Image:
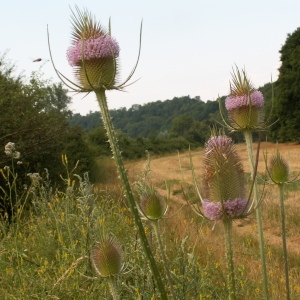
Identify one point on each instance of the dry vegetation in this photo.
(207, 237)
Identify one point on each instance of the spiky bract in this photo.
(153, 205)
(93, 53)
(107, 257)
(223, 181)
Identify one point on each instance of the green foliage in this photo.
(45, 252)
(143, 120)
(33, 114)
(287, 106)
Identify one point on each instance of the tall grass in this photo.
(45, 248)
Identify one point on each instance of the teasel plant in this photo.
(153, 208)
(223, 196)
(94, 55)
(279, 172)
(107, 258)
(245, 109)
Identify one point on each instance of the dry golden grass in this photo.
(246, 251)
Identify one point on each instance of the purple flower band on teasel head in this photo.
(212, 210)
(236, 207)
(218, 142)
(257, 99)
(232, 208)
(102, 46)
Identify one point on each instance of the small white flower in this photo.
(9, 148)
(16, 155)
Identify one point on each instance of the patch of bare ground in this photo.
(176, 169)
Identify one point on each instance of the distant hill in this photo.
(156, 117)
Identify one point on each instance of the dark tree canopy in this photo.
(287, 106)
(33, 116)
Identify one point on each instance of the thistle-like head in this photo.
(94, 56)
(93, 53)
(152, 205)
(223, 180)
(244, 103)
(278, 169)
(107, 257)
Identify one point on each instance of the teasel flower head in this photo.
(107, 257)
(94, 55)
(278, 169)
(152, 205)
(244, 104)
(223, 181)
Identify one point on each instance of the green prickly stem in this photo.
(101, 98)
(285, 255)
(229, 256)
(248, 139)
(156, 230)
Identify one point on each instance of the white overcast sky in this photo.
(188, 47)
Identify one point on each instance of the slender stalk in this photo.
(248, 139)
(126, 185)
(229, 256)
(112, 287)
(285, 255)
(170, 281)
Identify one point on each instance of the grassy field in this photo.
(44, 253)
(176, 169)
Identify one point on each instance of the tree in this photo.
(33, 116)
(182, 124)
(287, 106)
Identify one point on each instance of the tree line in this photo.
(34, 115)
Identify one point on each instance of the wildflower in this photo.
(244, 103)
(224, 182)
(95, 47)
(98, 73)
(236, 208)
(93, 53)
(245, 112)
(10, 150)
(107, 257)
(278, 170)
(16, 155)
